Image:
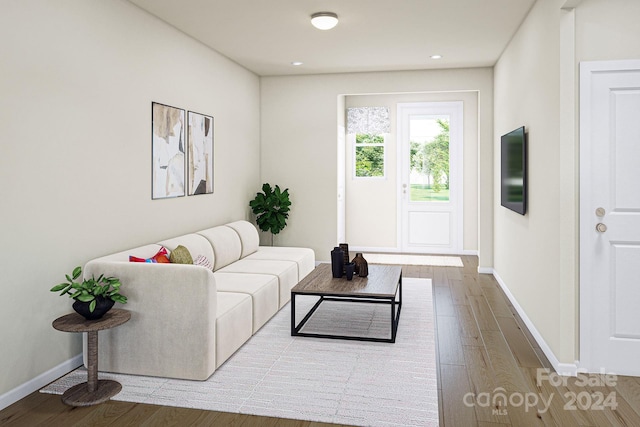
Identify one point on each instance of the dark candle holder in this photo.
(345, 251)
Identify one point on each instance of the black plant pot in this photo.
(102, 306)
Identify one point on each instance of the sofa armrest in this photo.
(172, 331)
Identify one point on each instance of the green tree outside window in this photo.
(369, 155)
(431, 159)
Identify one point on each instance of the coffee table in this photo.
(383, 285)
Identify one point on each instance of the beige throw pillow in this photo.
(181, 255)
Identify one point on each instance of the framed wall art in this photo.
(200, 154)
(168, 151)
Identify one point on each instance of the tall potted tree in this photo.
(271, 208)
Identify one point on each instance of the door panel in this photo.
(625, 298)
(429, 228)
(610, 217)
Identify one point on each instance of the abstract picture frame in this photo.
(200, 153)
(168, 138)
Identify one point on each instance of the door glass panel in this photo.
(429, 158)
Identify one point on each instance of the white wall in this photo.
(298, 136)
(372, 203)
(607, 30)
(527, 248)
(77, 80)
(536, 256)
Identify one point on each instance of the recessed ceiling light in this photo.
(324, 20)
(296, 63)
(436, 56)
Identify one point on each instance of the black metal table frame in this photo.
(395, 314)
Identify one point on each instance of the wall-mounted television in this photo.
(513, 176)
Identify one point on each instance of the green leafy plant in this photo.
(89, 289)
(271, 208)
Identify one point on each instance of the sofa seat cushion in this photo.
(285, 271)
(233, 324)
(262, 288)
(304, 257)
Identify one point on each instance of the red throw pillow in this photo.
(160, 257)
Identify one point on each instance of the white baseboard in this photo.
(40, 381)
(397, 250)
(567, 369)
(485, 270)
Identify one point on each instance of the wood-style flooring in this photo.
(484, 350)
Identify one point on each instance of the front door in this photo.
(430, 197)
(610, 217)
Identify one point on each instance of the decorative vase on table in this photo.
(103, 305)
(337, 262)
(362, 266)
(345, 254)
(349, 269)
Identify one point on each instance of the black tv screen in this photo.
(513, 177)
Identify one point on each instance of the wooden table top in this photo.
(382, 281)
(73, 322)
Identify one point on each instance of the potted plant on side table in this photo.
(93, 297)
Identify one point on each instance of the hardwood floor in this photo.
(484, 350)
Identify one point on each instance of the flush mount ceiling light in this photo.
(436, 56)
(324, 20)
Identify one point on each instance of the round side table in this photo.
(93, 391)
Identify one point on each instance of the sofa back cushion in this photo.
(226, 244)
(195, 243)
(249, 236)
(146, 251)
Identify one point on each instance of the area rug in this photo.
(429, 260)
(334, 381)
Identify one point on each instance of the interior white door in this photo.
(610, 217)
(430, 176)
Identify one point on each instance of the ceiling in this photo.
(266, 36)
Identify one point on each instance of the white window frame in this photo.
(384, 156)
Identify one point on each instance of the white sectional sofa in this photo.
(187, 320)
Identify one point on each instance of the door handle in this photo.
(601, 228)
